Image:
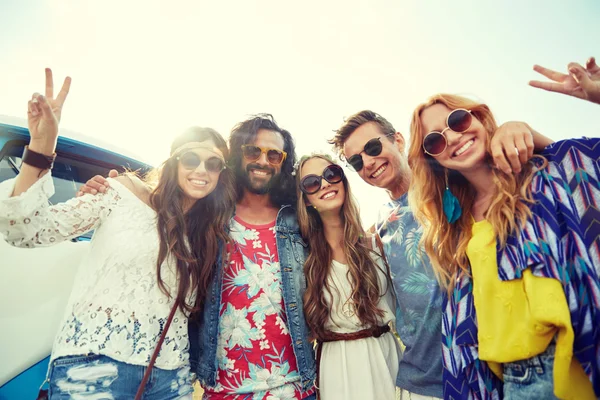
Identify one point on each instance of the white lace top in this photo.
(116, 307)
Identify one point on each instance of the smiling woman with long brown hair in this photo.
(348, 303)
(150, 261)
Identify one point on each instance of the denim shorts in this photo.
(100, 377)
(531, 378)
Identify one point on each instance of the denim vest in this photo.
(204, 331)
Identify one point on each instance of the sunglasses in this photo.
(372, 148)
(253, 153)
(311, 184)
(459, 120)
(191, 160)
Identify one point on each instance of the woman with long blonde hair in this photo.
(518, 255)
(348, 303)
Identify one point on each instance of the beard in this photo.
(257, 186)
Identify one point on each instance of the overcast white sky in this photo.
(145, 70)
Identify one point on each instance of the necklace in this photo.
(349, 307)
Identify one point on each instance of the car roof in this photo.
(12, 128)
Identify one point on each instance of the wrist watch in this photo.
(38, 160)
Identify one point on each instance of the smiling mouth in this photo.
(329, 195)
(198, 182)
(259, 172)
(379, 170)
(464, 148)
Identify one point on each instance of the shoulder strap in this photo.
(142, 386)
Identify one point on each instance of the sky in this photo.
(143, 71)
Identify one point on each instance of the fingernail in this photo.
(575, 74)
(94, 191)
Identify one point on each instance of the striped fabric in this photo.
(561, 241)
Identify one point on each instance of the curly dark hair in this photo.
(283, 185)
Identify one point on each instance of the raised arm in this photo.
(26, 219)
(43, 117)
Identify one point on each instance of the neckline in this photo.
(254, 226)
(338, 263)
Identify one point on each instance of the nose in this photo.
(201, 168)
(452, 137)
(262, 160)
(324, 184)
(368, 161)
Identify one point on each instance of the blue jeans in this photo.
(531, 378)
(101, 377)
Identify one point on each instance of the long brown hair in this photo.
(192, 237)
(362, 270)
(445, 243)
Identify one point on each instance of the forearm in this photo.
(29, 221)
(540, 142)
(28, 175)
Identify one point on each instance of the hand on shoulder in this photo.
(135, 185)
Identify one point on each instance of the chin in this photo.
(197, 195)
(331, 208)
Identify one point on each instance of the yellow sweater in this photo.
(518, 319)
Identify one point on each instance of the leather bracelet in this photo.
(38, 160)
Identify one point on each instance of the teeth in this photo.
(379, 171)
(329, 195)
(258, 172)
(464, 148)
(199, 182)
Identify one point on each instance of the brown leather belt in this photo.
(376, 332)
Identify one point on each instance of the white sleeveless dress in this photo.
(363, 369)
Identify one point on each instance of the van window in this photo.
(9, 167)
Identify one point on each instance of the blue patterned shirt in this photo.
(419, 300)
(560, 241)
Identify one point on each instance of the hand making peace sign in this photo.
(583, 83)
(43, 115)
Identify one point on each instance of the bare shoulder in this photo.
(135, 185)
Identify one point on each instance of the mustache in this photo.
(260, 168)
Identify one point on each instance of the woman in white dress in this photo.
(150, 250)
(349, 303)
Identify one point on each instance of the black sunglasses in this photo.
(311, 184)
(191, 160)
(253, 153)
(372, 148)
(458, 120)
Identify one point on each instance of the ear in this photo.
(399, 142)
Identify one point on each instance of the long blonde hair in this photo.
(362, 270)
(445, 243)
